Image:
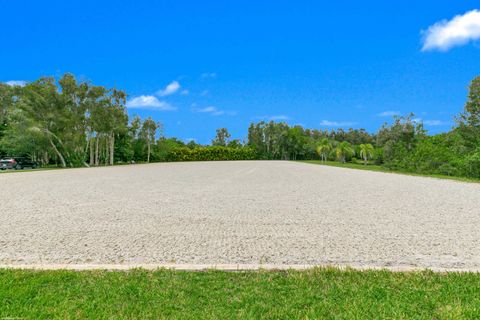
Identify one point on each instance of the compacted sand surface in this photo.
(237, 213)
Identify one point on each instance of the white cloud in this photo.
(149, 102)
(279, 117)
(185, 92)
(435, 123)
(431, 123)
(327, 123)
(170, 89)
(207, 109)
(214, 111)
(388, 114)
(208, 75)
(14, 83)
(446, 34)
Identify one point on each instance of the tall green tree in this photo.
(400, 139)
(324, 148)
(68, 121)
(221, 138)
(148, 133)
(6, 102)
(469, 119)
(344, 150)
(293, 143)
(46, 114)
(366, 152)
(117, 119)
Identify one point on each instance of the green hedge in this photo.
(211, 153)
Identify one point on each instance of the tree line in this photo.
(72, 123)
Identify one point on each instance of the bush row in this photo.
(211, 153)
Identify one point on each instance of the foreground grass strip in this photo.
(315, 293)
(378, 168)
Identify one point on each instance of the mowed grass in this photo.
(312, 294)
(373, 167)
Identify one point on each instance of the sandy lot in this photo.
(237, 213)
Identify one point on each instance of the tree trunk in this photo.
(96, 150)
(45, 158)
(59, 155)
(148, 151)
(107, 149)
(92, 158)
(112, 148)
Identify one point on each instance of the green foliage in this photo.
(344, 150)
(379, 168)
(222, 138)
(399, 139)
(280, 141)
(432, 155)
(366, 151)
(165, 146)
(406, 147)
(148, 132)
(211, 153)
(6, 101)
(471, 165)
(469, 119)
(59, 122)
(324, 148)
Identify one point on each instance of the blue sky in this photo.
(200, 65)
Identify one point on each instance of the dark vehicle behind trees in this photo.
(17, 163)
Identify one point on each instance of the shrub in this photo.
(471, 165)
(211, 153)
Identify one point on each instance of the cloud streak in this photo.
(208, 75)
(328, 123)
(280, 117)
(435, 123)
(149, 102)
(388, 114)
(431, 123)
(214, 111)
(447, 34)
(13, 83)
(170, 89)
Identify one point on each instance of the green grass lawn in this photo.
(372, 167)
(312, 294)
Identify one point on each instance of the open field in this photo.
(236, 214)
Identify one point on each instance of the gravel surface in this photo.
(247, 213)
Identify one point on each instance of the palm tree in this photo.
(366, 152)
(324, 148)
(343, 150)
